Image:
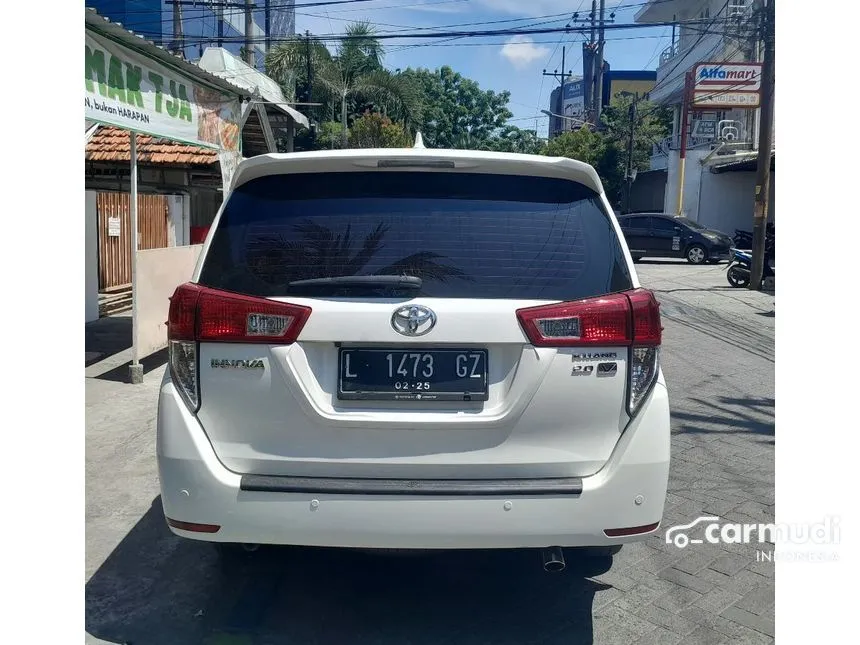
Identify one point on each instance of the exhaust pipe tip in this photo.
(553, 559)
(250, 548)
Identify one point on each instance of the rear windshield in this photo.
(464, 235)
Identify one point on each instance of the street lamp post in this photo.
(565, 118)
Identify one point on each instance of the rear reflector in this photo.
(633, 530)
(191, 526)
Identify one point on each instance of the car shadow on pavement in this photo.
(696, 289)
(158, 589)
(753, 415)
(105, 337)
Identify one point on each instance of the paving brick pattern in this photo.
(722, 465)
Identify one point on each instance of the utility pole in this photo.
(592, 48)
(561, 78)
(178, 40)
(765, 143)
(220, 18)
(249, 29)
(561, 90)
(593, 16)
(598, 64)
(632, 116)
(559, 109)
(674, 22)
(308, 52)
(268, 24)
(682, 155)
(310, 84)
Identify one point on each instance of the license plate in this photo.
(413, 375)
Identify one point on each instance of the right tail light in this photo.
(200, 314)
(630, 319)
(645, 349)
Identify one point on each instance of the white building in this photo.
(722, 145)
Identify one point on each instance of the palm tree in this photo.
(313, 250)
(354, 72)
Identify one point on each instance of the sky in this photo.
(512, 63)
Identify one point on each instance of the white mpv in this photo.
(414, 349)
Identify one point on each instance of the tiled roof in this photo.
(112, 144)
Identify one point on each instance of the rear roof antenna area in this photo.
(419, 141)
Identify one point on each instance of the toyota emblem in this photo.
(413, 320)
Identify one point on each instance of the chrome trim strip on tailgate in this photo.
(357, 486)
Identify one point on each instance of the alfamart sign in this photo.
(126, 89)
(727, 85)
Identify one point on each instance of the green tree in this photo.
(457, 112)
(287, 63)
(351, 78)
(651, 124)
(595, 149)
(330, 135)
(373, 130)
(512, 139)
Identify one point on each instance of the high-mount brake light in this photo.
(627, 319)
(200, 314)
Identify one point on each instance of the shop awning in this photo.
(225, 65)
(745, 162)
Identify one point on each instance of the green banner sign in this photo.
(131, 91)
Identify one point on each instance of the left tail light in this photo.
(629, 319)
(200, 314)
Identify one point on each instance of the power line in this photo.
(241, 5)
(656, 49)
(202, 8)
(484, 33)
(693, 47)
(203, 5)
(553, 17)
(681, 59)
(447, 42)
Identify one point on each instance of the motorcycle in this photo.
(744, 239)
(739, 271)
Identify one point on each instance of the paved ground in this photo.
(146, 587)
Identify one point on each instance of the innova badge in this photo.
(224, 363)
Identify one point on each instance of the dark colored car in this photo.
(656, 235)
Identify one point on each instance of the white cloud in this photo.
(521, 51)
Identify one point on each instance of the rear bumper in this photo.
(629, 491)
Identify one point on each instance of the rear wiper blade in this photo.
(404, 281)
